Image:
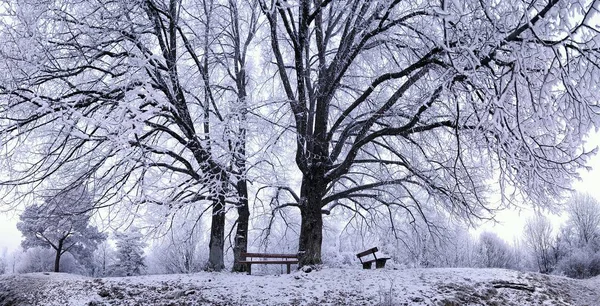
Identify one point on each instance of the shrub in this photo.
(581, 263)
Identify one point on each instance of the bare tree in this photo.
(399, 105)
(3, 261)
(540, 240)
(494, 252)
(103, 258)
(577, 250)
(241, 25)
(584, 216)
(122, 95)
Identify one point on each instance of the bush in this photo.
(334, 259)
(494, 252)
(2, 266)
(581, 263)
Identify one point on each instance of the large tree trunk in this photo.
(217, 235)
(241, 235)
(311, 228)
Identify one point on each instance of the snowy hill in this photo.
(443, 287)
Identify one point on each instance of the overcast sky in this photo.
(513, 221)
(10, 237)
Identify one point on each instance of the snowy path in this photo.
(326, 287)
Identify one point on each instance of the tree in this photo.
(238, 36)
(541, 242)
(179, 250)
(494, 252)
(130, 253)
(61, 223)
(103, 258)
(579, 244)
(3, 261)
(138, 105)
(584, 217)
(399, 106)
(39, 259)
(176, 255)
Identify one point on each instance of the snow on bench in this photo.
(268, 259)
(379, 262)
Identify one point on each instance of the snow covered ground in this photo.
(439, 287)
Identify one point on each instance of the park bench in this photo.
(268, 259)
(379, 262)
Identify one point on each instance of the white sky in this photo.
(10, 237)
(512, 222)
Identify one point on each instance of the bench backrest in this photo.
(265, 255)
(367, 252)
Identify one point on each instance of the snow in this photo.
(324, 287)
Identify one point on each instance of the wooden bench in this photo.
(379, 262)
(269, 259)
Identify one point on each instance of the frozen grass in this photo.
(439, 287)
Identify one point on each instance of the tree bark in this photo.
(241, 235)
(311, 228)
(58, 255)
(217, 235)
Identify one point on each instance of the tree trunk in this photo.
(217, 228)
(241, 235)
(103, 260)
(311, 228)
(217, 237)
(57, 258)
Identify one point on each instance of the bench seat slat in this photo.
(367, 264)
(281, 262)
(378, 259)
(266, 259)
(367, 252)
(269, 255)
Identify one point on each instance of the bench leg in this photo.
(289, 268)
(366, 265)
(249, 268)
(380, 264)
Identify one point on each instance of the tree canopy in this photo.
(61, 223)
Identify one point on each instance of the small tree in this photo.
(130, 253)
(61, 223)
(584, 217)
(3, 261)
(178, 252)
(579, 245)
(494, 252)
(102, 260)
(541, 242)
